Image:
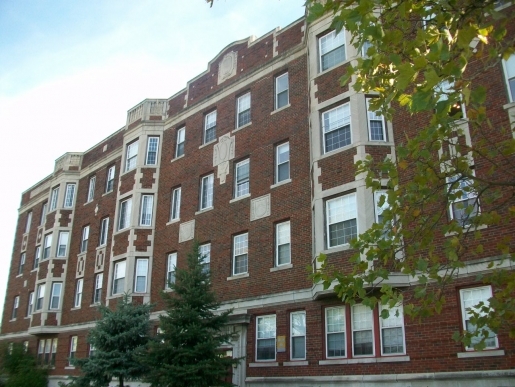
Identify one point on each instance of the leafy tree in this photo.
(21, 369)
(186, 352)
(425, 59)
(118, 338)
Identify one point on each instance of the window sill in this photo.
(385, 359)
(509, 105)
(295, 363)
(19, 275)
(177, 158)
(485, 353)
(322, 72)
(280, 183)
(69, 368)
(101, 247)
(173, 221)
(237, 276)
(467, 230)
(204, 210)
(107, 193)
(75, 308)
(336, 151)
(207, 143)
(265, 364)
(336, 249)
(239, 198)
(12, 320)
(91, 201)
(242, 127)
(280, 109)
(282, 267)
(95, 305)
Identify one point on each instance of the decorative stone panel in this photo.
(223, 152)
(260, 207)
(227, 66)
(187, 231)
(81, 265)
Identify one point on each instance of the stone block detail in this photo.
(187, 231)
(260, 207)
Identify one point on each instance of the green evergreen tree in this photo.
(118, 338)
(186, 353)
(20, 368)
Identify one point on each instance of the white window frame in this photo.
(509, 76)
(281, 90)
(119, 275)
(62, 244)
(23, 258)
(73, 349)
(124, 217)
(175, 209)
(170, 269)
(465, 197)
(84, 239)
(30, 303)
(131, 157)
(40, 297)
(335, 120)
(282, 238)
(362, 310)
(348, 206)
(465, 315)
(47, 246)
(240, 248)
(330, 330)
(180, 142)
(444, 87)
(44, 208)
(97, 291)
(141, 272)
(104, 230)
(16, 304)
(243, 105)
(110, 178)
(375, 116)
(282, 161)
(395, 320)
(205, 251)
(54, 197)
(91, 189)
(297, 331)
(37, 257)
(210, 127)
(267, 334)
(335, 41)
(28, 222)
(55, 294)
(78, 293)
(146, 210)
(206, 192)
(152, 150)
(69, 195)
(241, 184)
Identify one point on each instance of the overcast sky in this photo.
(70, 70)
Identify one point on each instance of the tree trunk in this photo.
(121, 381)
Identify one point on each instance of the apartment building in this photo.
(254, 159)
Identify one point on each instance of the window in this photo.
(210, 127)
(362, 331)
(43, 213)
(240, 254)
(91, 189)
(28, 222)
(376, 125)
(181, 136)
(206, 192)
(22, 263)
(392, 331)
(119, 277)
(298, 336)
(265, 339)
(73, 349)
(243, 110)
(16, 304)
(335, 332)
(341, 220)
(464, 204)
(110, 178)
(477, 300)
(55, 296)
(175, 211)
(282, 244)
(152, 149)
(205, 252)
(78, 293)
(509, 73)
(170, 269)
(364, 48)
(92, 350)
(25, 346)
(241, 181)
(332, 49)
(282, 161)
(124, 217)
(84, 240)
(37, 257)
(69, 195)
(379, 209)
(30, 304)
(140, 282)
(97, 293)
(62, 243)
(47, 244)
(40, 297)
(104, 229)
(47, 348)
(147, 202)
(53, 198)
(443, 89)
(281, 91)
(336, 128)
(132, 155)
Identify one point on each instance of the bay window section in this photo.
(69, 195)
(341, 219)
(336, 126)
(152, 149)
(331, 49)
(124, 216)
(62, 243)
(376, 124)
(91, 189)
(131, 156)
(55, 295)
